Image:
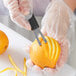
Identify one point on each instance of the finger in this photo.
(64, 53)
(49, 71)
(24, 6)
(37, 71)
(16, 15)
(13, 6)
(20, 21)
(35, 67)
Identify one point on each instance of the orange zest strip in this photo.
(9, 69)
(54, 48)
(49, 45)
(13, 63)
(25, 68)
(58, 50)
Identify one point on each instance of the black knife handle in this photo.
(33, 22)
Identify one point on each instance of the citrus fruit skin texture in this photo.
(45, 55)
(3, 42)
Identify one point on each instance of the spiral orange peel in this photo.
(16, 68)
(9, 69)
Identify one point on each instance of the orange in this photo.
(3, 42)
(45, 55)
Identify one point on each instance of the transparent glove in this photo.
(55, 23)
(18, 9)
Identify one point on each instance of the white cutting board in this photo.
(17, 43)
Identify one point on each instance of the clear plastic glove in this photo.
(18, 9)
(56, 23)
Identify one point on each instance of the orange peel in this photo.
(25, 68)
(45, 55)
(9, 69)
(15, 66)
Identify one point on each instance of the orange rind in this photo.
(47, 54)
(3, 42)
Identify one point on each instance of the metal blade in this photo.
(37, 38)
(42, 36)
(36, 32)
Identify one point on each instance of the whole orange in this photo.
(45, 55)
(3, 42)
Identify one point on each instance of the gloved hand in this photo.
(18, 9)
(55, 23)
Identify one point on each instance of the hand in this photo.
(54, 24)
(18, 9)
(34, 70)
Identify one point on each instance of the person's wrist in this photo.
(71, 4)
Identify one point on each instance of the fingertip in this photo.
(49, 71)
(22, 22)
(35, 67)
(27, 26)
(37, 71)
